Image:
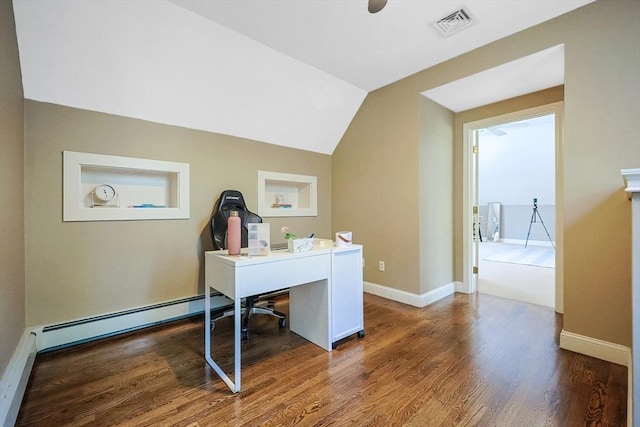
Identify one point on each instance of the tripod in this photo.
(535, 214)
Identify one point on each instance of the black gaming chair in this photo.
(232, 200)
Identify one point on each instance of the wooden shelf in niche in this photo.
(281, 194)
(162, 187)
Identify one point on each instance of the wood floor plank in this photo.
(466, 360)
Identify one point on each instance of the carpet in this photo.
(535, 256)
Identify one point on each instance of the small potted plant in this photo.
(295, 244)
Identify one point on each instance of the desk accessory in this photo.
(300, 245)
(106, 195)
(343, 238)
(259, 239)
(148, 206)
(233, 234)
(294, 244)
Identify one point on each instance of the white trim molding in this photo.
(15, 378)
(409, 298)
(469, 196)
(632, 188)
(632, 180)
(461, 288)
(630, 390)
(604, 350)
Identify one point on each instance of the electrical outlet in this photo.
(381, 265)
(363, 261)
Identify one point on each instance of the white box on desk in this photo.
(300, 245)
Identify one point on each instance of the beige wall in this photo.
(80, 269)
(12, 280)
(602, 124)
(602, 89)
(436, 195)
(375, 188)
(83, 269)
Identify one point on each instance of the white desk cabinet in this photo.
(347, 313)
(325, 294)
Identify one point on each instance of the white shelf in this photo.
(283, 194)
(136, 181)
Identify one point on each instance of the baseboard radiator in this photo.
(54, 337)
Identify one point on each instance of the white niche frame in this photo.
(83, 171)
(301, 191)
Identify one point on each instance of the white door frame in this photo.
(469, 190)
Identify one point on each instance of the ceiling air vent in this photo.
(453, 22)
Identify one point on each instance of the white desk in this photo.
(310, 306)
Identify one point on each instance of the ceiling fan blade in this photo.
(376, 6)
(515, 125)
(496, 131)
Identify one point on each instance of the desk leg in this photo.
(236, 336)
(237, 317)
(207, 323)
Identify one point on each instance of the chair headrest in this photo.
(231, 200)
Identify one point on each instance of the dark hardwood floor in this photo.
(468, 360)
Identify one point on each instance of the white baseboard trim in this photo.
(15, 378)
(461, 288)
(523, 242)
(70, 333)
(604, 350)
(408, 297)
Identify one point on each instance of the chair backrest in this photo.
(230, 200)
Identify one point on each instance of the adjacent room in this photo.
(269, 212)
(516, 196)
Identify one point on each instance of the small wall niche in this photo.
(282, 194)
(144, 188)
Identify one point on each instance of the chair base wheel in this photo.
(246, 313)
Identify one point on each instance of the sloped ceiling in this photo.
(531, 73)
(285, 72)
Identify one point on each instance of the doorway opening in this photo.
(516, 195)
(512, 203)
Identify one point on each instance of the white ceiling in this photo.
(532, 73)
(286, 72)
(371, 51)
